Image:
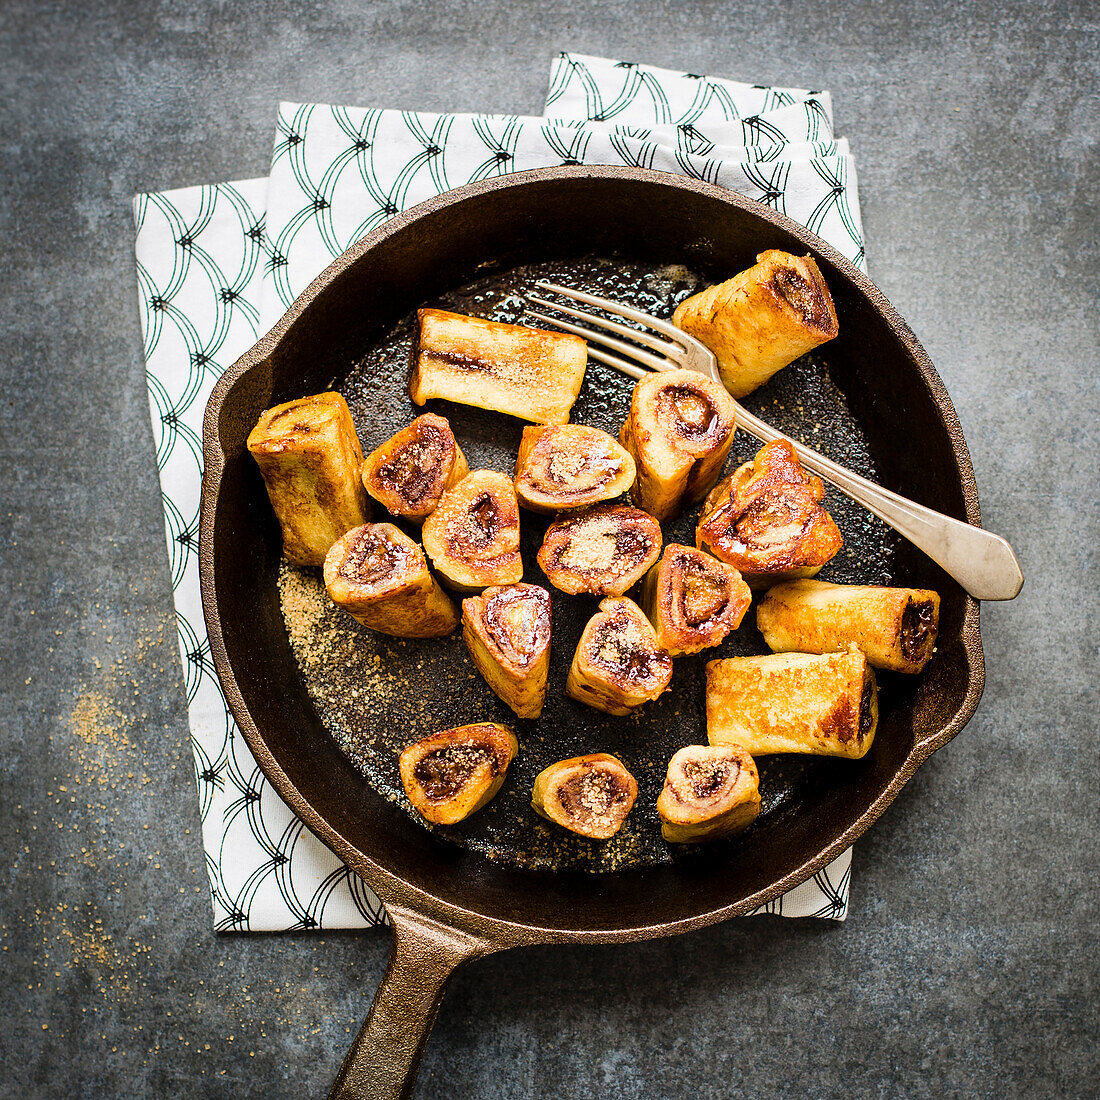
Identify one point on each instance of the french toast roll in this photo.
(618, 664)
(409, 473)
(825, 704)
(601, 551)
(380, 577)
(526, 372)
(507, 631)
(895, 627)
(761, 319)
(680, 429)
(767, 521)
(588, 795)
(472, 537)
(693, 600)
(450, 774)
(309, 456)
(562, 467)
(710, 792)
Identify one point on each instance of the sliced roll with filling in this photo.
(824, 704)
(380, 577)
(527, 372)
(588, 795)
(710, 792)
(472, 537)
(409, 473)
(895, 627)
(761, 319)
(451, 774)
(507, 631)
(562, 467)
(680, 430)
(767, 520)
(618, 664)
(309, 456)
(602, 551)
(693, 600)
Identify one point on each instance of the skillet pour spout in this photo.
(447, 903)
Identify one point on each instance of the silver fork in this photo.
(983, 563)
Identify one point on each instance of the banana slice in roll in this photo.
(507, 631)
(824, 704)
(526, 372)
(602, 551)
(453, 773)
(895, 627)
(380, 577)
(618, 664)
(588, 795)
(762, 319)
(473, 535)
(309, 456)
(767, 521)
(561, 467)
(710, 792)
(409, 473)
(693, 600)
(680, 430)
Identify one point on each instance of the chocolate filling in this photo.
(463, 362)
(413, 472)
(804, 296)
(619, 646)
(707, 777)
(443, 773)
(483, 520)
(704, 593)
(591, 797)
(518, 620)
(693, 413)
(918, 621)
(372, 558)
(865, 700)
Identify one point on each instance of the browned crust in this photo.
(472, 537)
(601, 551)
(450, 774)
(507, 632)
(693, 600)
(562, 467)
(409, 473)
(767, 519)
(589, 795)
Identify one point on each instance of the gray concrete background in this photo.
(969, 963)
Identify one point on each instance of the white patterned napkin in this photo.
(212, 278)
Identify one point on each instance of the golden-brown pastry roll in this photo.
(767, 520)
(473, 535)
(679, 430)
(507, 631)
(380, 577)
(693, 600)
(602, 551)
(710, 792)
(793, 702)
(453, 773)
(762, 319)
(895, 627)
(309, 455)
(561, 467)
(526, 372)
(618, 664)
(589, 795)
(408, 474)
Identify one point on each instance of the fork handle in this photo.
(982, 562)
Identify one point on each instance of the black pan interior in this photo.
(872, 410)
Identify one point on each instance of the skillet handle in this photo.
(383, 1062)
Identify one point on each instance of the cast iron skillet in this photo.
(448, 906)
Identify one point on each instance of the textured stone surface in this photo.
(969, 963)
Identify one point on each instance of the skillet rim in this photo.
(396, 891)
